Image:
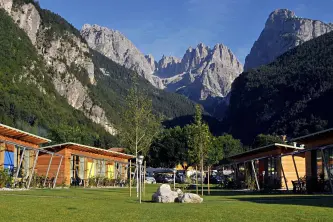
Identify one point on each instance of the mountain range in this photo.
(202, 72)
(205, 73)
(69, 84)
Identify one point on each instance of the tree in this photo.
(229, 145)
(169, 148)
(265, 140)
(215, 152)
(139, 125)
(199, 142)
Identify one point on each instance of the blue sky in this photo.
(169, 27)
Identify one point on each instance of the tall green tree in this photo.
(229, 145)
(264, 140)
(215, 152)
(139, 125)
(169, 148)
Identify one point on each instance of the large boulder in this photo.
(164, 194)
(190, 198)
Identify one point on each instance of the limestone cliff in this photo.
(67, 57)
(119, 49)
(283, 31)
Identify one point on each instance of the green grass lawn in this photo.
(116, 205)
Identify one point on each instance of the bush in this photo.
(6, 179)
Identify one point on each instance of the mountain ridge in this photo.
(283, 31)
(202, 72)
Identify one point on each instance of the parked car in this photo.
(163, 178)
(214, 180)
(193, 178)
(150, 180)
(180, 177)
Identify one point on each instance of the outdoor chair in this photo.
(299, 186)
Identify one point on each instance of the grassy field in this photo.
(116, 205)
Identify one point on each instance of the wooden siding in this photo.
(289, 169)
(65, 174)
(43, 163)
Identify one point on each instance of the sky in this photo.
(169, 27)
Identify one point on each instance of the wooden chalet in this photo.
(269, 165)
(318, 150)
(82, 163)
(19, 153)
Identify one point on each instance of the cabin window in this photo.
(77, 167)
(272, 167)
(100, 168)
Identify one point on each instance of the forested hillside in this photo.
(28, 99)
(291, 96)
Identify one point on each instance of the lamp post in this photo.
(174, 179)
(140, 160)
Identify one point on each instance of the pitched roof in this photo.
(119, 150)
(309, 136)
(17, 134)
(265, 148)
(91, 149)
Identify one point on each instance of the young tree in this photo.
(139, 125)
(199, 142)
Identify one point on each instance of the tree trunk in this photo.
(208, 169)
(144, 178)
(196, 179)
(130, 178)
(202, 172)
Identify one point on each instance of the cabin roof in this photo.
(265, 148)
(17, 134)
(81, 147)
(308, 137)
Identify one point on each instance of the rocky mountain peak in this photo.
(283, 31)
(151, 60)
(202, 72)
(168, 66)
(119, 49)
(280, 15)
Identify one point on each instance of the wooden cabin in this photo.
(14, 144)
(81, 162)
(318, 156)
(269, 166)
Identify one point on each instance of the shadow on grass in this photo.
(227, 192)
(313, 200)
